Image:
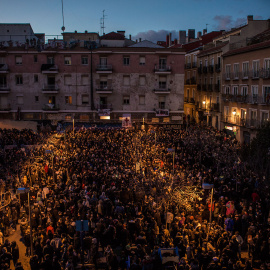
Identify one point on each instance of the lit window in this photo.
(68, 99)
(67, 60)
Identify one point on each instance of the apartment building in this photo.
(246, 89)
(84, 81)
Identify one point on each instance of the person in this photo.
(14, 252)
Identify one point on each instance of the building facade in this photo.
(246, 89)
(91, 84)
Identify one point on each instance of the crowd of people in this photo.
(106, 198)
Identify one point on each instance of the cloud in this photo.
(227, 22)
(155, 36)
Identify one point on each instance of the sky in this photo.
(146, 19)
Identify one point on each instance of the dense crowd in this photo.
(122, 184)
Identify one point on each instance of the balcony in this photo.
(104, 69)
(199, 87)
(188, 81)
(162, 69)
(215, 107)
(106, 106)
(217, 68)
(245, 75)
(162, 91)
(204, 87)
(4, 89)
(200, 70)
(193, 80)
(6, 108)
(194, 64)
(205, 69)
(210, 87)
(49, 69)
(104, 90)
(192, 100)
(50, 89)
(51, 107)
(186, 99)
(211, 69)
(4, 69)
(265, 73)
(217, 87)
(227, 76)
(188, 66)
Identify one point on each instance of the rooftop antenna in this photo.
(206, 27)
(63, 27)
(102, 20)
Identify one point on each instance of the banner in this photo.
(126, 121)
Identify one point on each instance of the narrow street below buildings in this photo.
(16, 236)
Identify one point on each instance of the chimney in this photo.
(121, 32)
(170, 39)
(204, 31)
(249, 18)
(167, 41)
(130, 37)
(199, 34)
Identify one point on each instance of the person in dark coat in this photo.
(15, 252)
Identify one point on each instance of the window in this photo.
(226, 110)
(126, 80)
(266, 94)
(264, 117)
(243, 114)
(227, 72)
(84, 60)
(67, 60)
(126, 100)
(142, 80)
(85, 99)
(35, 58)
(103, 61)
(235, 90)
(19, 79)
(206, 63)
(162, 63)
(244, 90)
(254, 89)
(3, 81)
(68, 99)
(162, 82)
(67, 80)
(37, 99)
(126, 60)
(35, 78)
(236, 71)
(142, 100)
(2, 60)
(227, 90)
(255, 66)
(50, 60)
(103, 82)
(51, 80)
(253, 117)
(19, 100)
(267, 68)
(161, 102)
(142, 60)
(85, 79)
(51, 100)
(18, 60)
(245, 69)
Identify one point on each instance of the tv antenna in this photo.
(63, 27)
(102, 23)
(206, 27)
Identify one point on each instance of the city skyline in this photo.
(150, 20)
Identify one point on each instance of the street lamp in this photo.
(207, 186)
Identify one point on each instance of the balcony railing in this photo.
(50, 107)
(205, 69)
(4, 88)
(4, 68)
(194, 64)
(162, 68)
(211, 68)
(161, 90)
(49, 68)
(200, 70)
(210, 87)
(193, 80)
(265, 73)
(199, 87)
(217, 68)
(188, 66)
(50, 88)
(104, 68)
(186, 99)
(104, 89)
(189, 100)
(106, 106)
(5, 108)
(217, 87)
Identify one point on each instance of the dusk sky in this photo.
(146, 19)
